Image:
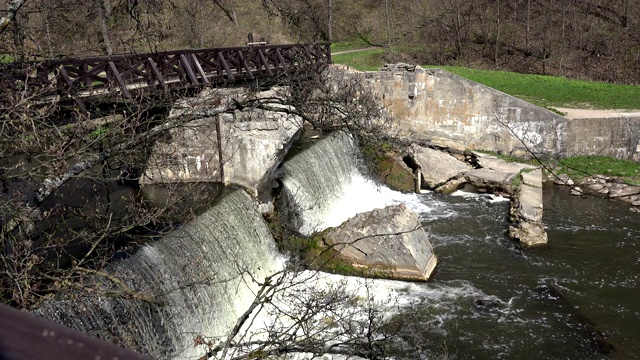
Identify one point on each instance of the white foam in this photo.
(362, 195)
(351, 297)
(490, 198)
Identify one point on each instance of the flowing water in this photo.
(324, 187)
(490, 299)
(575, 299)
(193, 281)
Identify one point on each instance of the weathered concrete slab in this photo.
(532, 178)
(530, 203)
(494, 163)
(438, 106)
(526, 211)
(487, 180)
(437, 167)
(452, 185)
(389, 242)
(618, 137)
(253, 143)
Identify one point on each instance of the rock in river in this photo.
(389, 242)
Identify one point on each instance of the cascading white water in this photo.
(325, 187)
(200, 275)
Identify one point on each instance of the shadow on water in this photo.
(126, 215)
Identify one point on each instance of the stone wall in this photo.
(444, 109)
(253, 143)
(618, 137)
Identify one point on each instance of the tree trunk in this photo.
(229, 11)
(19, 36)
(528, 26)
(458, 29)
(11, 13)
(497, 38)
(47, 30)
(625, 58)
(103, 14)
(386, 5)
(107, 8)
(330, 20)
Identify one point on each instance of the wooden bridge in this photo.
(127, 75)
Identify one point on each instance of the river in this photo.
(577, 298)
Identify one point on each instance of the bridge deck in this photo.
(123, 74)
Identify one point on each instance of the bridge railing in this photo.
(90, 76)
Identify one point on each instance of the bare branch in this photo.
(229, 11)
(11, 13)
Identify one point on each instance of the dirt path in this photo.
(597, 114)
(352, 51)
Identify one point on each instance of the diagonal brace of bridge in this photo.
(180, 69)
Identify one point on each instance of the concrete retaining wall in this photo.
(448, 110)
(618, 137)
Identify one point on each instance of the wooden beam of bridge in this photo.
(163, 71)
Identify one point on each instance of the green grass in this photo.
(368, 60)
(6, 58)
(551, 91)
(98, 132)
(509, 158)
(348, 45)
(542, 90)
(582, 166)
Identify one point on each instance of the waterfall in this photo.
(199, 274)
(324, 187)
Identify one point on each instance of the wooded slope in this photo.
(586, 39)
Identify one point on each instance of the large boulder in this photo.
(396, 174)
(387, 242)
(437, 167)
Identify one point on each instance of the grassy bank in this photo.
(545, 91)
(551, 91)
(582, 166)
(366, 60)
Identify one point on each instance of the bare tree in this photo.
(63, 203)
(292, 315)
(306, 18)
(103, 8)
(229, 9)
(11, 13)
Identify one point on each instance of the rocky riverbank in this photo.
(608, 187)
(447, 171)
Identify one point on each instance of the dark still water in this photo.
(578, 298)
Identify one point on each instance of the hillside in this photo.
(588, 40)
